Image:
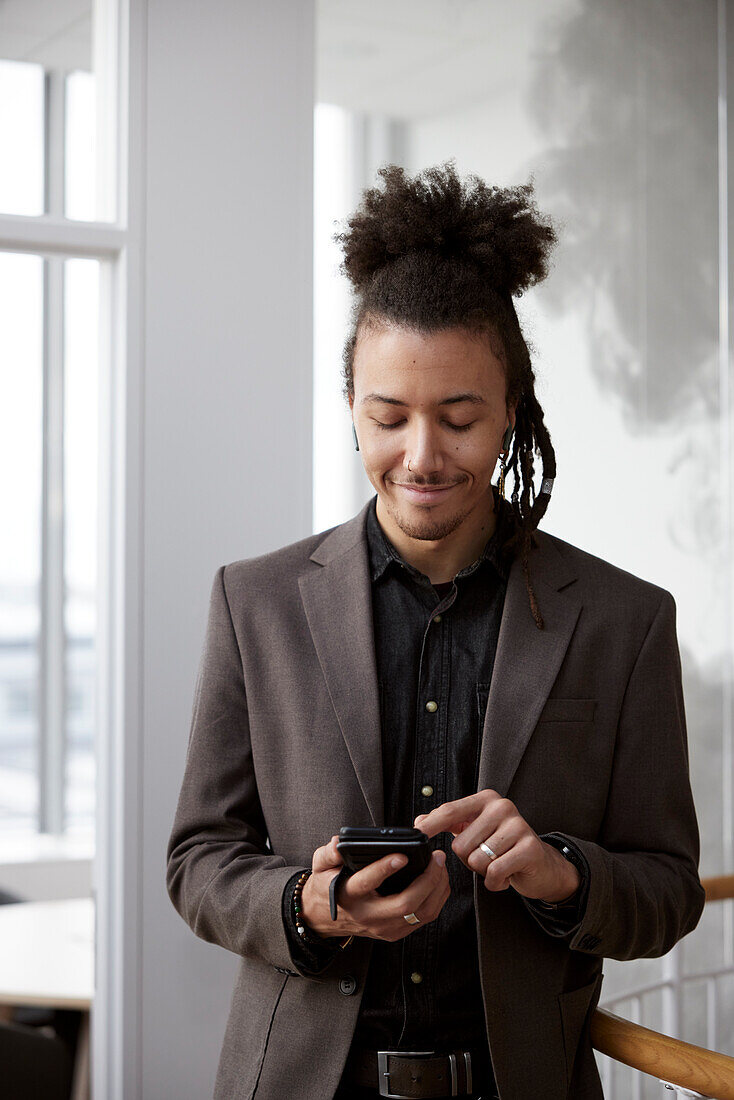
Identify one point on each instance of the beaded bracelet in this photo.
(300, 925)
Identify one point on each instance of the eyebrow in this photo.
(473, 398)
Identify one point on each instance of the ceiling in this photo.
(406, 59)
(411, 59)
(54, 33)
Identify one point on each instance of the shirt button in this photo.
(432, 706)
(427, 791)
(437, 618)
(415, 977)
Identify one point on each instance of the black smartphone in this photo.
(361, 845)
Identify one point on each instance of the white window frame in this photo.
(116, 243)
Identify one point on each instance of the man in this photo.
(298, 755)
(389, 672)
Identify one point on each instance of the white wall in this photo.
(218, 384)
(615, 113)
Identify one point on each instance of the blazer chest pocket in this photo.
(568, 710)
(562, 780)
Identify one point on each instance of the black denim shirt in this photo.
(433, 643)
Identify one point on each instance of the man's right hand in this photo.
(361, 911)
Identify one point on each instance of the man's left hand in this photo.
(524, 861)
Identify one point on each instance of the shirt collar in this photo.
(382, 552)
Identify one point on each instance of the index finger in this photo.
(450, 815)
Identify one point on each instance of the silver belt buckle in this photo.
(384, 1074)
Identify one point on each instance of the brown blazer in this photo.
(585, 731)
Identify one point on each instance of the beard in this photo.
(428, 529)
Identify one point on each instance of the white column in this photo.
(208, 411)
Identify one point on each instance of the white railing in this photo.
(681, 1068)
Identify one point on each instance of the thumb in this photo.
(326, 856)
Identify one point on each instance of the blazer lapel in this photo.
(337, 600)
(527, 660)
(338, 603)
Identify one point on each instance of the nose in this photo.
(423, 451)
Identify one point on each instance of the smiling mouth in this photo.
(425, 494)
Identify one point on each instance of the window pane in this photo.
(81, 308)
(81, 152)
(56, 142)
(21, 137)
(21, 397)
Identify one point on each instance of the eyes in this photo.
(455, 427)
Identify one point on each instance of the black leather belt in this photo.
(411, 1074)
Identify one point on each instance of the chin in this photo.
(427, 529)
(418, 522)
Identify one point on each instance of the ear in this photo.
(351, 401)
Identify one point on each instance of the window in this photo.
(56, 249)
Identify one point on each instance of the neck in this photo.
(442, 559)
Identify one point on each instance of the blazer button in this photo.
(347, 984)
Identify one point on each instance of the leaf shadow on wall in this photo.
(627, 97)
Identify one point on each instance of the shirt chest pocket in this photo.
(480, 710)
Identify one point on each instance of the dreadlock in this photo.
(431, 253)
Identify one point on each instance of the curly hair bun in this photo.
(497, 229)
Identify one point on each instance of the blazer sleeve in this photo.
(644, 892)
(220, 875)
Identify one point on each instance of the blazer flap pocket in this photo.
(576, 1005)
(568, 710)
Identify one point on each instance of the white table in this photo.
(47, 959)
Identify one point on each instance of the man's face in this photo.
(405, 415)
